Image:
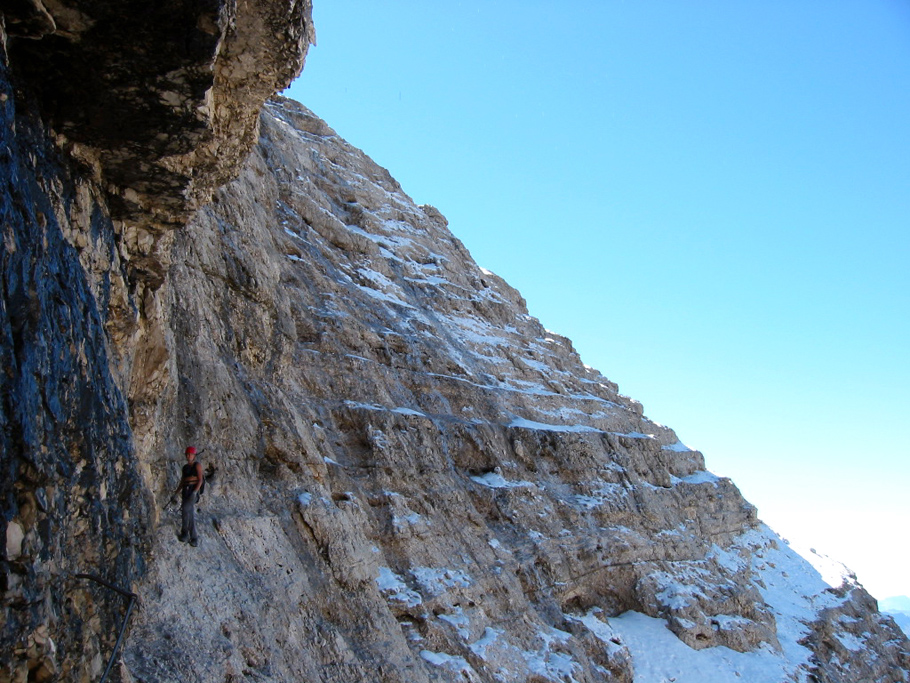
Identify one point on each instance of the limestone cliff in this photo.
(416, 480)
(420, 482)
(115, 121)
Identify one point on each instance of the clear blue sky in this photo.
(711, 199)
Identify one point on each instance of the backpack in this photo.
(207, 476)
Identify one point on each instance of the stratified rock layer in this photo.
(418, 481)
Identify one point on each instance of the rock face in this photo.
(416, 481)
(73, 500)
(94, 160)
(162, 99)
(419, 481)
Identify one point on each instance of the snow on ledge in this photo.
(394, 589)
(677, 662)
(678, 447)
(495, 480)
(450, 662)
(400, 410)
(522, 423)
(701, 477)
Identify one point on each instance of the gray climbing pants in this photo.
(188, 514)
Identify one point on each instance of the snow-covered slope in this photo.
(797, 591)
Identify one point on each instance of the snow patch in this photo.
(790, 586)
(437, 580)
(850, 641)
(678, 447)
(601, 630)
(400, 410)
(402, 523)
(294, 234)
(446, 661)
(395, 590)
(479, 647)
(459, 620)
(702, 477)
(522, 423)
(833, 573)
(644, 636)
(604, 493)
(408, 411)
(495, 480)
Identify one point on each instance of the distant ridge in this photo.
(898, 607)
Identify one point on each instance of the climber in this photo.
(191, 481)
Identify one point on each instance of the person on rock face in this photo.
(190, 483)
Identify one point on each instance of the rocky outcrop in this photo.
(416, 480)
(95, 156)
(851, 627)
(161, 100)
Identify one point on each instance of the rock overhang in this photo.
(162, 99)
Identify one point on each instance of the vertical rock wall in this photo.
(116, 121)
(72, 499)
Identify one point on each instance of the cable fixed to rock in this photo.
(129, 609)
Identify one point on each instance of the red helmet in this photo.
(190, 449)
